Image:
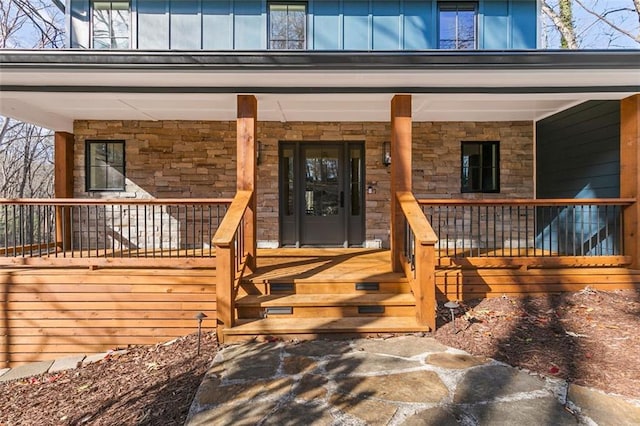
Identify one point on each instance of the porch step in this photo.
(307, 300)
(312, 326)
(311, 287)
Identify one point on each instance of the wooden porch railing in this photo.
(527, 227)
(231, 258)
(419, 258)
(77, 229)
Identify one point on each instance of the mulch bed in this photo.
(149, 385)
(590, 338)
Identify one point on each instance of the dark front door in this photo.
(321, 194)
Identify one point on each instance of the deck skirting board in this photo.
(50, 313)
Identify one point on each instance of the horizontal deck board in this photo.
(127, 306)
(112, 297)
(38, 316)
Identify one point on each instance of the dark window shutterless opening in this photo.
(105, 165)
(480, 167)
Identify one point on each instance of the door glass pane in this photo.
(287, 185)
(356, 178)
(322, 184)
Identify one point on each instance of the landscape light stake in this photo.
(452, 306)
(200, 316)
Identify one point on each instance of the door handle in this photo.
(341, 199)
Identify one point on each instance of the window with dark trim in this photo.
(480, 167)
(287, 25)
(457, 23)
(105, 165)
(111, 24)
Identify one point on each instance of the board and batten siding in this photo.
(51, 313)
(331, 24)
(578, 156)
(578, 152)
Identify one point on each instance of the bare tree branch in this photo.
(602, 17)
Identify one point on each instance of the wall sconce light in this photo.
(386, 153)
(258, 152)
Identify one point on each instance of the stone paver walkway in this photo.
(62, 364)
(405, 380)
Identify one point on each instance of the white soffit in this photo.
(125, 95)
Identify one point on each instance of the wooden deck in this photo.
(326, 264)
(51, 311)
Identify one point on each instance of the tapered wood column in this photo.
(247, 169)
(629, 175)
(63, 185)
(400, 170)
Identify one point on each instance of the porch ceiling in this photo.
(53, 90)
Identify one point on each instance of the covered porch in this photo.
(432, 248)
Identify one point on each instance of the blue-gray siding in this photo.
(578, 156)
(332, 24)
(578, 152)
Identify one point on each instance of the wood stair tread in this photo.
(345, 299)
(344, 277)
(326, 325)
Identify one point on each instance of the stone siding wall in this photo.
(196, 159)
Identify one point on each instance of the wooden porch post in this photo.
(629, 175)
(63, 185)
(247, 169)
(400, 170)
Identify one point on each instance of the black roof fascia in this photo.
(320, 60)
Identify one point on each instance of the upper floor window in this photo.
(480, 167)
(287, 25)
(458, 25)
(111, 21)
(105, 165)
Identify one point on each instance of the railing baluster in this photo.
(5, 219)
(608, 250)
(193, 232)
(21, 230)
(201, 231)
(161, 230)
(146, 237)
(153, 230)
(71, 246)
(209, 235)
